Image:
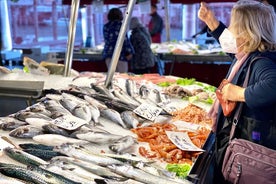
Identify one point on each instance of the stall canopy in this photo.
(85, 2)
(198, 1)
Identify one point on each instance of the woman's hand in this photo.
(233, 92)
(207, 15)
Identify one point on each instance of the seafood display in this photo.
(88, 133)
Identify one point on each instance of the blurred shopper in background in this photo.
(143, 60)
(111, 32)
(155, 27)
(251, 36)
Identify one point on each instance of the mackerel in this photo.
(24, 157)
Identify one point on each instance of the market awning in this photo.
(86, 2)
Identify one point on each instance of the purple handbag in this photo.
(247, 162)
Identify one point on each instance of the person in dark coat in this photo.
(250, 36)
(111, 32)
(143, 59)
(155, 28)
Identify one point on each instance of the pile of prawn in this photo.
(161, 146)
(193, 114)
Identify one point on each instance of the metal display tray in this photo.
(24, 89)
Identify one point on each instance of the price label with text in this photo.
(147, 111)
(68, 122)
(182, 141)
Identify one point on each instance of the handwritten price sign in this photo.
(68, 122)
(148, 111)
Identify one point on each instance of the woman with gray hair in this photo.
(143, 59)
(249, 39)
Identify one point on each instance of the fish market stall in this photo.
(79, 125)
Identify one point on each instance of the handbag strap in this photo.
(240, 105)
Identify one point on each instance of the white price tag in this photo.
(169, 109)
(183, 125)
(148, 111)
(68, 122)
(182, 141)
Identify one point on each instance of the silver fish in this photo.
(130, 119)
(98, 137)
(94, 102)
(74, 98)
(81, 153)
(56, 140)
(82, 111)
(55, 107)
(53, 129)
(68, 104)
(131, 88)
(39, 108)
(95, 113)
(82, 89)
(10, 123)
(142, 176)
(102, 90)
(75, 170)
(103, 172)
(26, 131)
(23, 115)
(68, 174)
(123, 96)
(123, 144)
(113, 116)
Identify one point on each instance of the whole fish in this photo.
(68, 174)
(91, 167)
(95, 113)
(35, 146)
(74, 169)
(98, 137)
(68, 103)
(123, 144)
(53, 129)
(37, 122)
(23, 115)
(130, 118)
(123, 96)
(82, 111)
(26, 131)
(82, 89)
(55, 108)
(10, 123)
(131, 88)
(94, 102)
(74, 98)
(39, 108)
(56, 140)
(51, 177)
(142, 176)
(102, 90)
(42, 153)
(10, 180)
(24, 157)
(81, 153)
(21, 173)
(113, 115)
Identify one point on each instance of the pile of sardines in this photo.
(81, 135)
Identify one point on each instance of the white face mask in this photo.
(228, 42)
